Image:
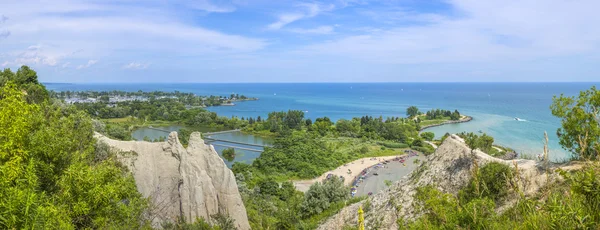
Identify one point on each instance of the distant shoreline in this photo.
(462, 120)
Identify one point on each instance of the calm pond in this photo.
(242, 155)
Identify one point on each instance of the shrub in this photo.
(364, 150)
(229, 154)
(393, 145)
(425, 149)
(427, 136)
(493, 179)
(320, 196)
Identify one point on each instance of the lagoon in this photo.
(244, 156)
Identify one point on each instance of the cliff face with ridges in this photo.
(449, 169)
(180, 182)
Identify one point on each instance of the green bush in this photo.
(492, 182)
(320, 196)
(364, 149)
(428, 149)
(229, 154)
(393, 145)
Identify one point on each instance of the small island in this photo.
(435, 117)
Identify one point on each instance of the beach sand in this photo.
(355, 166)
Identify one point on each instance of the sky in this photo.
(302, 41)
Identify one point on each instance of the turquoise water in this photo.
(492, 105)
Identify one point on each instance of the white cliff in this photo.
(448, 169)
(180, 182)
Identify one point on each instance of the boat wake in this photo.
(519, 119)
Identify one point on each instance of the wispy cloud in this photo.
(317, 30)
(485, 31)
(136, 65)
(307, 10)
(33, 55)
(89, 63)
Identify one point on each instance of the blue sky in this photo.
(302, 41)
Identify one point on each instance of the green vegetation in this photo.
(115, 97)
(427, 136)
(320, 197)
(572, 203)
(52, 173)
(580, 131)
(442, 114)
(484, 143)
(229, 154)
(412, 111)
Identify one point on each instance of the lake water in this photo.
(242, 155)
(245, 156)
(492, 105)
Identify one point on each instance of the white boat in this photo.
(518, 119)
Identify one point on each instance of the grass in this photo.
(119, 120)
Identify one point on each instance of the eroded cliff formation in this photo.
(180, 182)
(449, 169)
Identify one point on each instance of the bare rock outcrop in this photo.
(448, 169)
(180, 182)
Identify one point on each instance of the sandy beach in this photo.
(355, 167)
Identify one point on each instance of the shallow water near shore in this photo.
(493, 106)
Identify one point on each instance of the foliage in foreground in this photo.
(50, 173)
(572, 204)
(580, 131)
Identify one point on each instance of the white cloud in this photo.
(155, 28)
(318, 30)
(89, 63)
(308, 10)
(136, 65)
(66, 65)
(33, 55)
(484, 31)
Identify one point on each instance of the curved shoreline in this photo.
(462, 120)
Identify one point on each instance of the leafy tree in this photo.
(349, 128)
(412, 111)
(229, 154)
(51, 175)
(580, 131)
(293, 119)
(428, 135)
(321, 195)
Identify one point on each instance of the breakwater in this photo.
(462, 120)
